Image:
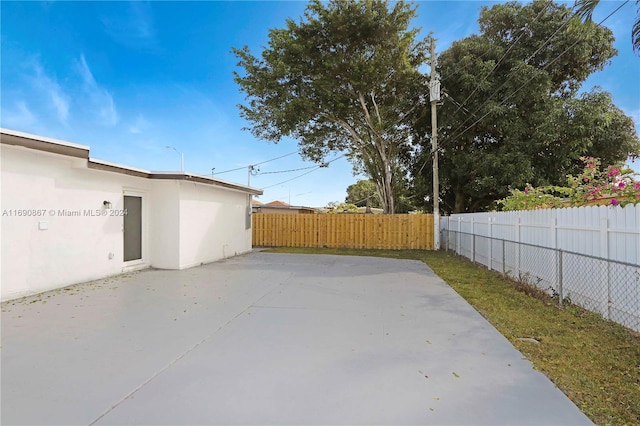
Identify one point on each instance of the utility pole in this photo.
(434, 96)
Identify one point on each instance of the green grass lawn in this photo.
(595, 362)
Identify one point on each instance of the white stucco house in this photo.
(68, 218)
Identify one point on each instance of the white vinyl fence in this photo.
(587, 255)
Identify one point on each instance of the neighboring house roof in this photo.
(256, 203)
(277, 203)
(282, 207)
(42, 143)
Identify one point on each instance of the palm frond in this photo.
(584, 8)
(635, 31)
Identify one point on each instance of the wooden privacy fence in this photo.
(366, 231)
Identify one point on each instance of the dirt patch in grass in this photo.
(595, 362)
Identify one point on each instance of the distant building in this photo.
(280, 207)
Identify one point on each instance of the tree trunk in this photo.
(381, 172)
(391, 202)
(458, 206)
(386, 197)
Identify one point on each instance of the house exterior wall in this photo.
(164, 235)
(62, 194)
(212, 224)
(56, 231)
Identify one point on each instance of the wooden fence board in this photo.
(366, 231)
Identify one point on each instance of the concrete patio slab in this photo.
(267, 339)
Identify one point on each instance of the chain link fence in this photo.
(607, 287)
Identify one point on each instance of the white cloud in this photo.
(142, 20)
(19, 118)
(61, 105)
(49, 86)
(100, 98)
(139, 126)
(135, 29)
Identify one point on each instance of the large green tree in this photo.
(345, 78)
(512, 115)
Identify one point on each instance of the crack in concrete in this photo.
(173, 362)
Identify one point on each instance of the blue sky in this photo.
(131, 78)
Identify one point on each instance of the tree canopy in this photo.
(363, 193)
(338, 207)
(345, 78)
(512, 114)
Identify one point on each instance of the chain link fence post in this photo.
(560, 289)
(504, 259)
(517, 272)
(604, 254)
(473, 241)
(490, 262)
(459, 236)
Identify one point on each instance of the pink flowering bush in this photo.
(595, 183)
(619, 184)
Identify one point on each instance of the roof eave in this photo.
(41, 143)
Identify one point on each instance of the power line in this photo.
(257, 164)
(323, 165)
(277, 158)
(458, 104)
(294, 178)
(364, 199)
(287, 171)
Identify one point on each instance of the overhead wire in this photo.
(287, 171)
(257, 164)
(458, 104)
(289, 180)
(365, 198)
(315, 168)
